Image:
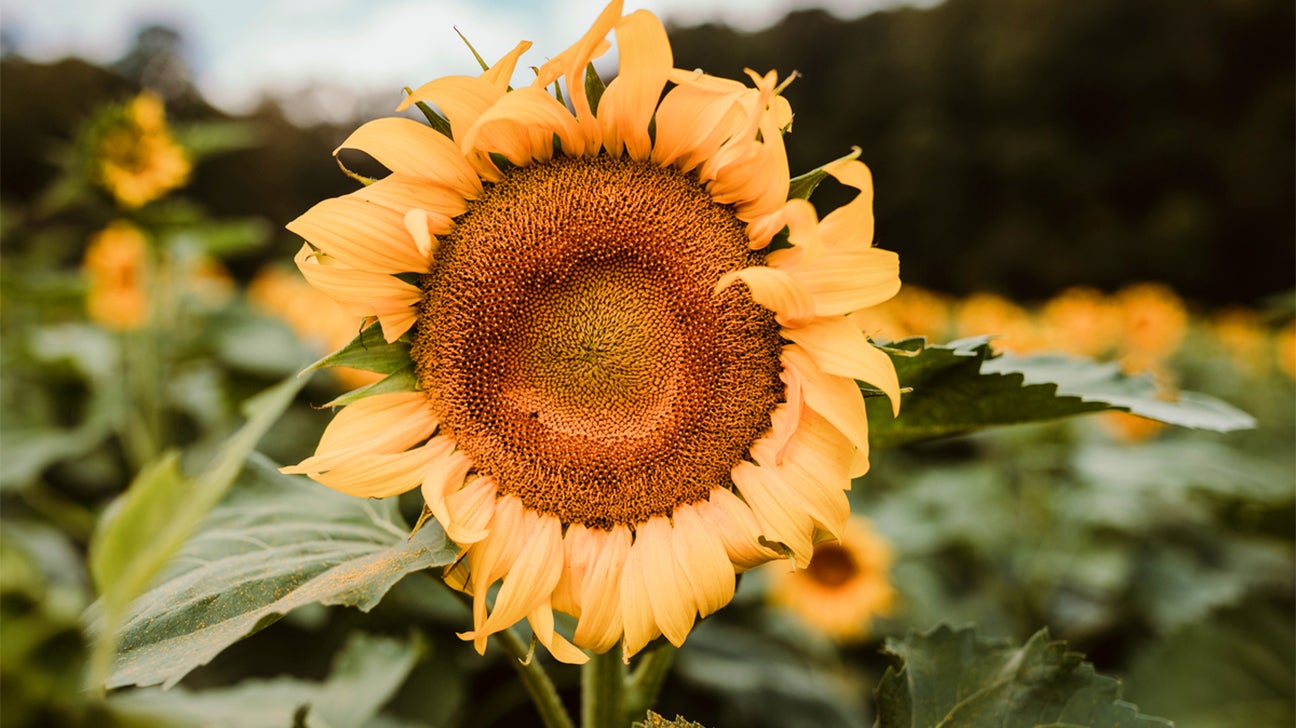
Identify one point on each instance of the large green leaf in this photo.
(276, 543)
(951, 678)
(366, 673)
(960, 387)
(141, 532)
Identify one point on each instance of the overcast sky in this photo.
(239, 49)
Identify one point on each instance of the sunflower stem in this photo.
(603, 684)
(536, 681)
(647, 679)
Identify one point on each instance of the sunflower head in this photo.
(116, 267)
(133, 154)
(845, 586)
(621, 393)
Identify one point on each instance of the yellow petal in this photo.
(732, 521)
(852, 222)
(780, 518)
(402, 192)
(838, 399)
(542, 625)
(636, 606)
(694, 120)
(629, 101)
(361, 293)
(571, 63)
(461, 99)
(502, 71)
(533, 575)
(361, 235)
(382, 475)
(385, 424)
(838, 347)
(668, 591)
(604, 554)
(776, 291)
(470, 510)
(507, 127)
(701, 557)
(405, 146)
(441, 481)
(846, 278)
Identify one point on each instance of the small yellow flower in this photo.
(1079, 321)
(988, 313)
(1244, 338)
(846, 584)
(117, 266)
(1153, 323)
(134, 155)
(624, 395)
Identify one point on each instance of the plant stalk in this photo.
(603, 691)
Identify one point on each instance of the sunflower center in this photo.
(570, 341)
(832, 565)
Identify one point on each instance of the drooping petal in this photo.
(636, 607)
(701, 557)
(490, 559)
(668, 592)
(532, 577)
(838, 399)
(630, 99)
(775, 290)
(732, 521)
(694, 120)
(470, 510)
(542, 625)
(441, 481)
(603, 554)
(408, 147)
(780, 517)
(838, 347)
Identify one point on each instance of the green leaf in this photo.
(594, 86)
(437, 121)
(366, 673)
(960, 387)
(276, 543)
(804, 185)
(370, 351)
(402, 380)
(952, 678)
(160, 511)
(1105, 384)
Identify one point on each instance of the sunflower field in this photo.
(935, 367)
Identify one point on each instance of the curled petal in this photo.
(407, 147)
(631, 98)
(362, 235)
(775, 290)
(838, 347)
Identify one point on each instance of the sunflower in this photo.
(116, 267)
(135, 156)
(845, 586)
(625, 395)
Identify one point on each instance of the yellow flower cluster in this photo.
(135, 156)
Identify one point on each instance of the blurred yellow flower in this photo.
(846, 584)
(1129, 427)
(1285, 346)
(116, 265)
(988, 313)
(1079, 321)
(624, 397)
(1244, 337)
(314, 317)
(913, 312)
(1153, 322)
(135, 157)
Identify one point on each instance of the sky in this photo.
(239, 50)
